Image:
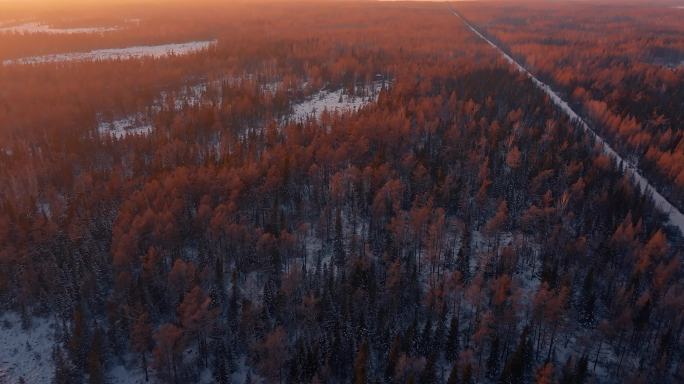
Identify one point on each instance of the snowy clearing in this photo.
(136, 52)
(37, 27)
(676, 217)
(26, 353)
(334, 101)
(131, 125)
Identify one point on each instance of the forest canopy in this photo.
(340, 192)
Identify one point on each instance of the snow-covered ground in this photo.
(140, 124)
(125, 374)
(37, 27)
(131, 372)
(26, 353)
(136, 52)
(333, 101)
(676, 217)
(193, 95)
(130, 125)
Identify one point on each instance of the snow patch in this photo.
(130, 125)
(189, 95)
(26, 353)
(120, 374)
(44, 209)
(136, 52)
(333, 101)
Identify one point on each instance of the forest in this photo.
(628, 83)
(340, 192)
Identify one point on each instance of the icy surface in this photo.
(333, 101)
(675, 216)
(136, 52)
(26, 353)
(36, 27)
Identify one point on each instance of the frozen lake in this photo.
(36, 27)
(135, 52)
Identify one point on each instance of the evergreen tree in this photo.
(581, 369)
(221, 361)
(453, 375)
(428, 376)
(76, 344)
(587, 300)
(64, 370)
(95, 359)
(339, 254)
(393, 357)
(467, 374)
(519, 361)
(452, 341)
(567, 372)
(426, 337)
(361, 365)
(463, 257)
(493, 359)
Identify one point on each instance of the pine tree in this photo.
(428, 376)
(493, 359)
(519, 361)
(452, 342)
(393, 357)
(453, 375)
(567, 372)
(221, 358)
(95, 359)
(218, 289)
(587, 300)
(581, 370)
(64, 370)
(426, 337)
(439, 336)
(339, 253)
(234, 300)
(360, 365)
(467, 374)
(276, 267)
(463, 257)
(141, 339)
(77, 339)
